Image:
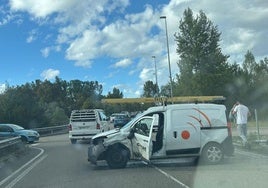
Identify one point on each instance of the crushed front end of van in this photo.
(111, 146)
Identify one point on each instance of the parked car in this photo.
(120, 120)
(112, 117)
(12, 130)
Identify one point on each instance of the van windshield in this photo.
(131, 121)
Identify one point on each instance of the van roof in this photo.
(187, 105)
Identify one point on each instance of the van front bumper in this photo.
(94, 151)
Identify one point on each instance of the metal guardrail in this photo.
(10, 141)
(10, 145)
(45, 131)
(14, 144)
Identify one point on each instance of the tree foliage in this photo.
(204, 70)
(201, 61)
(149, 89)
(115, 94)
(44, 103)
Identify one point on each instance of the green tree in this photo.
(149, 89)
(21, 107)
(79, 92)
(115, 94)
(201, 61)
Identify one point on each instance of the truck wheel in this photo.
(73, 141)
(117, 157)
(212, 153)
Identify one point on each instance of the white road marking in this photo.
(21, 168)
(168, 175)
(25, 172)
(35, 144)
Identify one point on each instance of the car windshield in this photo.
(166, 93)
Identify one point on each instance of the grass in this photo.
(253, 137)
(255, 142)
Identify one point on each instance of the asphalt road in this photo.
(55, 162)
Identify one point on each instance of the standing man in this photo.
(242, 113)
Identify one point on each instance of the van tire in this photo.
(212, 153)
(117, 157)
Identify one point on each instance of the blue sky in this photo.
(113, 41)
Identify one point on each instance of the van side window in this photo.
(143, 126)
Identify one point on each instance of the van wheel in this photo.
(212, 153)
(117, 157)
(73, 141)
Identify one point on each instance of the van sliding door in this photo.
(183, 132)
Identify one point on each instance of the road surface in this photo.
(54, 162)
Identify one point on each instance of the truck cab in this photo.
(162, 132)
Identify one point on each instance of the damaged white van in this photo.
(178, 130)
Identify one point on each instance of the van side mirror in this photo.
(131, 133)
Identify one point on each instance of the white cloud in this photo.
(84, 48)
(146, 74)
(5, 16)
(49, 74)
(242, 24)
(32, 36)
(45, 52)
(86, 64)
(89, 31)
(123, 63)
(2, 88)
(41, 8)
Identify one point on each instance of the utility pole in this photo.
(171, 84)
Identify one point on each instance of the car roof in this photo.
(117, 114)
(11, 125)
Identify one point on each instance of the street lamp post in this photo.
(171, 90)
(156, 82)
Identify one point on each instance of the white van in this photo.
(86, 123)
(178, 130)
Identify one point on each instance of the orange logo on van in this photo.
(185, 135)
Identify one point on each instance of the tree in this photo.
(201, 61)
(22, 107)
(81, 91)
(149, 89)
(255, 81)
(115, 94)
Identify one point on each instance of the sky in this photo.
(113, 41)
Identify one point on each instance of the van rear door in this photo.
(183, 131)
(83, 120)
